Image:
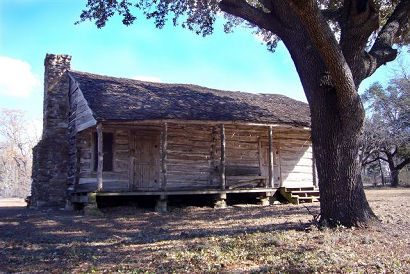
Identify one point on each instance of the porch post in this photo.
(100, 157)
(164, 144)
(223, 144)
(271, 180)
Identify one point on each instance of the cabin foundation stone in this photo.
(265, 199)
(91, 208)
(220, 201)
(161, 205)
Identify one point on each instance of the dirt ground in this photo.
(239, 239)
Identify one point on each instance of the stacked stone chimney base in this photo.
(50, 155)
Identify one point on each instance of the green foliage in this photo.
(200, 15)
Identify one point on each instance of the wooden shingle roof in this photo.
(112, 98)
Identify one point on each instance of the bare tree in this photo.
(17, 138)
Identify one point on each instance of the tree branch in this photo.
(331, 14)
(384, 159)
(365, 163)
(267, 4)
(328, 48)
(358, 20)
(382, 51)
(242, 9)
(403, 164)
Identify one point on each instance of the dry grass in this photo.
(245, 238)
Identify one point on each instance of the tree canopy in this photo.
(345, 18)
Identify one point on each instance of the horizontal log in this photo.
(194, 131)
(241, 145)
(191, 168)
(105, 180)
(190, 127)
(189, 148)
(122, 147)
(175, 161)
(188, 176)
(242, 154)
(296, 169)
(190, 136)
(192, 183)
(187, 142)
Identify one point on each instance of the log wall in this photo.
(193, 155)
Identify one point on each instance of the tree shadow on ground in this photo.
(55, 239)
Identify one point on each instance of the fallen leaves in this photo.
(244, 238)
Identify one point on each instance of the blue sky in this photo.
(31, 28)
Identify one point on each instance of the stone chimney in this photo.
(56, 86)
(50, 155)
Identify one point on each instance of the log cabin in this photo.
(107, 136)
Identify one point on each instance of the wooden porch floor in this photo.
(187, 192)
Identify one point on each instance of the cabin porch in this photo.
(165, 158)
(219, 197)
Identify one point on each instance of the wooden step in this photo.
(306, 193)
(296, 195)
(300, 188)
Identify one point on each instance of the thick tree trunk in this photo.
(394, 170)
(342, 196)
(336, 129)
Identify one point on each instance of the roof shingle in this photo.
(113, 98)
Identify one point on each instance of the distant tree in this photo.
(334, 45)
(17, 138)
(388, 129)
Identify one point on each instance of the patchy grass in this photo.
(247, 238)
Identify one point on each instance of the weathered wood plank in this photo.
(164, 145)
(100, 157)
(270, 169)
(223, 159)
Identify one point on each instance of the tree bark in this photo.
(335, 138)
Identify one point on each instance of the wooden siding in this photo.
(193, 156)
(81, 116)
(189, 157)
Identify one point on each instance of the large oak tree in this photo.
(334, 45)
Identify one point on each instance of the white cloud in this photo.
(16, 77)
(147, 78)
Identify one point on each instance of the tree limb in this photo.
(365, 163)
(358, 20)
(382, 51)
(242, 9)
(403, 164)
(331, 14)
(328, 48)
(267, 4)
(384, 159)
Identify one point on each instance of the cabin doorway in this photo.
(145, 162)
